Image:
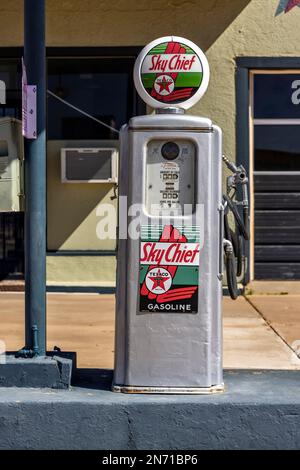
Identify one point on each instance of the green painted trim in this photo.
(81, 253)
(187, 79)
(191, 79)
(161, 49)
(186, 276)
(242, 137)
(244, 64)
(148, 79)
(268, 62)
(81, 289)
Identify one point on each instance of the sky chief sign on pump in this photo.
(171, 71)
(169, 269)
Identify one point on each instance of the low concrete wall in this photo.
(259, 410)
(85, 271)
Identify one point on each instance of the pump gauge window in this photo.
(170, 150)
(170, 177)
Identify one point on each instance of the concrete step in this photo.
(258, 410)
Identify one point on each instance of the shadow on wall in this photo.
(201, 21)
(71, 208)
(216, 16)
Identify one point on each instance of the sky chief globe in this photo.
(171, 71)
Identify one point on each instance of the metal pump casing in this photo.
(166, 351)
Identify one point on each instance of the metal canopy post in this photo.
(35, 184)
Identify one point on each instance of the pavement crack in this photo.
(270, 325)
(131, 441)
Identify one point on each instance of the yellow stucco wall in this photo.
(81, 271)
(73, 215)
(224, 29)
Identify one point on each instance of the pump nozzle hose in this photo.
(239, 221)
(228, 247)
(230, 270)
(233, 243)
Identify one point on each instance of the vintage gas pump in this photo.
(169, 277)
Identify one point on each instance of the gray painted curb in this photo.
(53, 371)
(259, 410)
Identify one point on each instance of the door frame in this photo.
(244, 128)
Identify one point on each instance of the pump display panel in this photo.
(170, 177)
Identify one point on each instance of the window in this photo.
(11, 224)
(277, 147)
(95, 85)
(275, 113)
(10, 73)
(276, 119)
(98, 81)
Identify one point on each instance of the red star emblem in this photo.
(158, 281)
(164, 84)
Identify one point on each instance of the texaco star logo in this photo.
(158, 280)
(164, 85)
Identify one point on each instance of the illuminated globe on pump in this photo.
(171, 72)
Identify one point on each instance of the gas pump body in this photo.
(169, 292)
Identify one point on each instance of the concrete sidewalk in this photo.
(259, 333)
(259, 409)
(282, 313)
(252, 342)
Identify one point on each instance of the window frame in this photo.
(85, 52)
(244, 137)
(139, 106)
(269, 121)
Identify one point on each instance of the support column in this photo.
(35, 183)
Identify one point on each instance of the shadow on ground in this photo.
(100, 379)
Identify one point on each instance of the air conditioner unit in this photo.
(89, 165)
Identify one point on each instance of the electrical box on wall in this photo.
(89, 165)
(11, 165)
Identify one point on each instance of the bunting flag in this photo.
(287, 5)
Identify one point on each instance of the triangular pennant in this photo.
(281, 7)
(285, 6)
(291, 4)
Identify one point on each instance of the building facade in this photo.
(254, 95)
